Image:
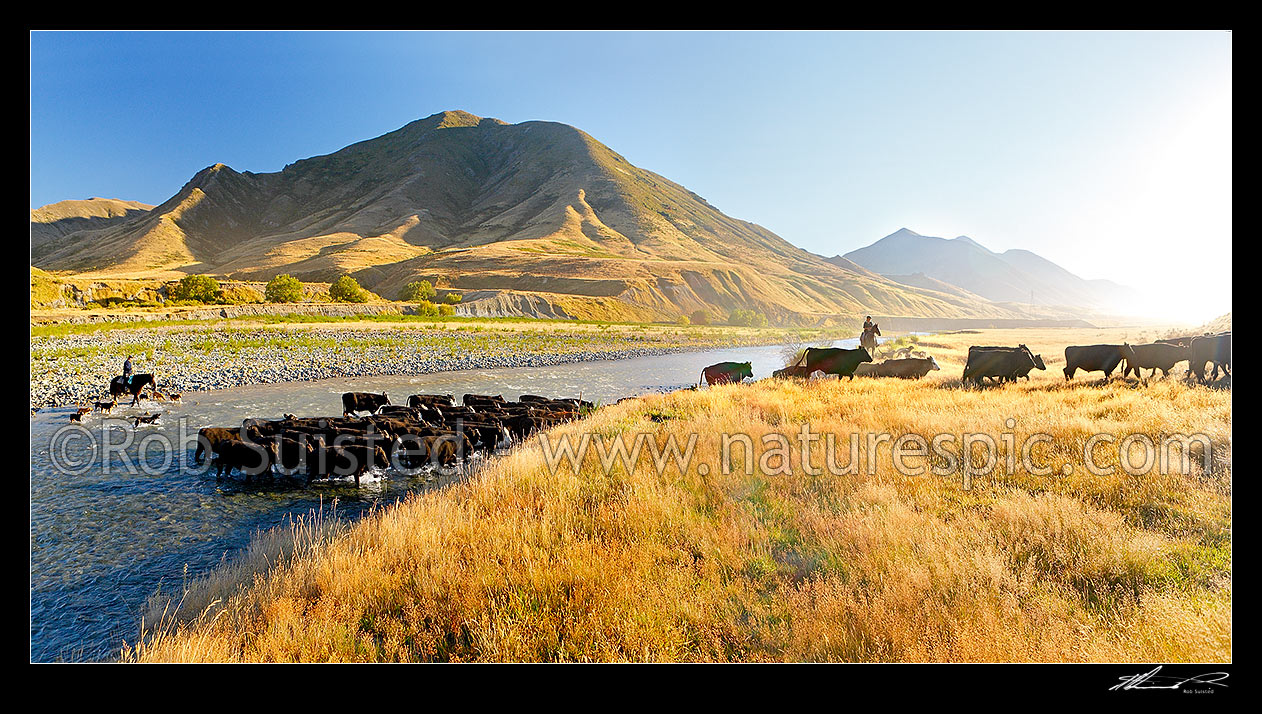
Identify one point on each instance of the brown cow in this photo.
(209, 437)
(432, 400)
(354, 402)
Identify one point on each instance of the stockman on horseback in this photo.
(127, 370)
(868, 339)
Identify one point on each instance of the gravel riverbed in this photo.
(77, 368)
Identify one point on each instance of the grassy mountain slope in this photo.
(57, 220)
(536, 208)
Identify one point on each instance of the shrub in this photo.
(700, 317)
(684, 320)
(283, 288)
(347, 289)
(747, 318)
(239, 295)
(196, 288)
(426, 308)
(452, 298)
(418, 291)
(446, 310)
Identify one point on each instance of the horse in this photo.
(120, 386)
(868, 339)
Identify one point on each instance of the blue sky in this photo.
(1109, 153)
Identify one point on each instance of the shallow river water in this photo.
(105, 536)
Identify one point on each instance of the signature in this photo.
(1153, 680)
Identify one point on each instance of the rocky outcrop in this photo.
(493, 303)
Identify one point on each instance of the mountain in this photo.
(924, 282)
(57, 220)
(514, 214)
(1015, 276)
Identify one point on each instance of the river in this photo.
(104, 536)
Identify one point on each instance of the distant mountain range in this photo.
(962, 266)
(58, 220)
(529, 218)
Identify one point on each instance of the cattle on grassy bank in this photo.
(907, 368)
(1092, 358)
(1002, 364)
(834, 360)
(1156, 356)
(1214, 349)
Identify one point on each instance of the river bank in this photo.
(76, 368)
(811, 552)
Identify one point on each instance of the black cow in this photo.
(1210, 348)
(726, 373)
(834, 360)
(251, 459)
(291, 453)
(348, 459)
(1001, 363)
(1092, 358)
(1157, 356)
(353, 402)
(436, 449)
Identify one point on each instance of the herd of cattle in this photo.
(1007, 364)
(431, 430)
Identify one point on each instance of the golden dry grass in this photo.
(515, 564)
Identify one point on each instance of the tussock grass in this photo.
(518, 564)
